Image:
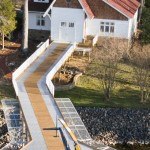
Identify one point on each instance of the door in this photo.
(67, 32)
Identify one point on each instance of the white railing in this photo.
(57, 66)
(27, 63)
(95, 40)
(50, 86)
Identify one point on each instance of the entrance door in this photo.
(67, 32)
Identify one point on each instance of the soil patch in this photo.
(76, 64)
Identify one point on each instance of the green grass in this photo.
(89, 91)
(6, 91)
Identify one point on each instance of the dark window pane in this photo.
(42, 22)
(102, 28)
(112, 29)
(71, 24)
(63, 24)
(112, 23)
(106, 28)
(38, 22)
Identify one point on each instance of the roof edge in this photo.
(89, 14)
(49, 8)
(117, 9)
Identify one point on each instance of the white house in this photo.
(73, 20)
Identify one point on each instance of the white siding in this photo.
(133, 25)
(67, 15)
(131, 30)
(33, 21)
(135, 20)
(121, 28)
(40, 1)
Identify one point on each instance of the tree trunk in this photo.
(3, 41)
(25, 28)
(142, 95)
(107, 94)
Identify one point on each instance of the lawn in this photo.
(89, 91)
(6, 91)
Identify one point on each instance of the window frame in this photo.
(107, 27)
(63, 24)
(66, 24)
(40, 20)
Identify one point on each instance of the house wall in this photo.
(67, 15)
(33, 21)
(132, 25)
(40, 1)
(121, 28)
(135, 18)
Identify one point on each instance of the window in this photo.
(112, 28)
(107, 27)
(66, 24)
(63, 24)
(71, 24)
(41, 1)
(40, 20)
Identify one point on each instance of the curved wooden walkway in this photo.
(40, 109)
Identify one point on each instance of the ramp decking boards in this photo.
(40, 109)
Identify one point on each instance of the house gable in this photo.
(38, 6)
(102, 10)
(81, 4)
(127, 8)
(65, 4)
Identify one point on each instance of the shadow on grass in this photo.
(93, 98)
(7, 91)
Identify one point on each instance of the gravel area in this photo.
(4, 136)
(117, 125)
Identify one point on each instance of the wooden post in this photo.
(89, 56)
(3, 41)
(56, 124)
(59, 76)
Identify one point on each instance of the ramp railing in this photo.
(27, 63)
(57, 66)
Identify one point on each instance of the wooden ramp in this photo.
(40, 109)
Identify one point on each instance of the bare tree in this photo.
(25, 28)
(140, 57)
(107, 56)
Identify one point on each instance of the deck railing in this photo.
(27, 63)
(95, 40)
(57, 66)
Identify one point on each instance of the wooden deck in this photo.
(40, 109)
